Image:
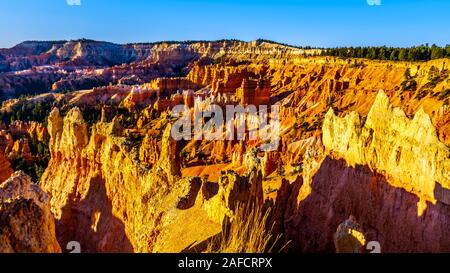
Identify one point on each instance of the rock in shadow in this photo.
(202, 246)
(387, 215)
(442, 194)
(188, 201)
(91, 223)
(209, 190)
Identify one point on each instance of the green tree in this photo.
(394, 55)
(437, 52)
(412, 53)
(372, 53)
(447, 51)
(403, 54)
(382, 53)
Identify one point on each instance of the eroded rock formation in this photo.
(363, 174)
(120, 184)
(26, 222)
(114, 203)
(349, 238)
(407, 151)
(5, 167)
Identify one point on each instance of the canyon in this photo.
(364, 146)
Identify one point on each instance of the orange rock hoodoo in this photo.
(120, 183)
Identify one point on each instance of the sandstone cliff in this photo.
(407, 152)
(378, 170)
(26, 222)
(109, 201)
(120, 184)
(5, 167)
(41, 65)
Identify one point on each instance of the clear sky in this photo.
(324, 23)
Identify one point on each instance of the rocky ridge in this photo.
(113, 195)
(407, 151)
(346, 148)
(399, 199)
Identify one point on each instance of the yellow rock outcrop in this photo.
(27, 224)
(109, 201)
(408, 152)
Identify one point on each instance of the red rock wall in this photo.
(5, 167)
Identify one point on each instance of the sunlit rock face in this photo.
(120, 183)
(99, 188)
(349, 238)
(46, 66)
(377, 170)
(109, 201)
(408, 152)
(26, 222)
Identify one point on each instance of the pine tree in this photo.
(403, 54)
(394, 55)
(437, 52)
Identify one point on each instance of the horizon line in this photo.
(219, 40)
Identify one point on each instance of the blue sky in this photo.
(324, 23)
